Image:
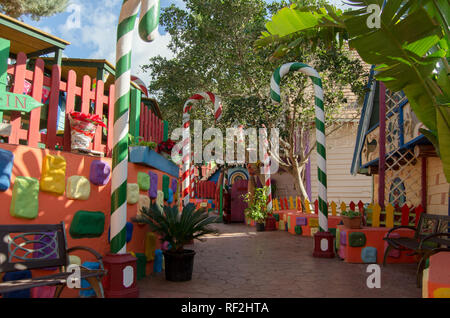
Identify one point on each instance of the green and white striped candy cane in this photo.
(320, 128)
(148, 30)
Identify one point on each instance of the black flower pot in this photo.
(179, 265)
(260, 227)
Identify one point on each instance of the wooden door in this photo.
(237, 203)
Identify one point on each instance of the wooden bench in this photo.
(26, 247)
(430, 237)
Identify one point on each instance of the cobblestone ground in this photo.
(241, 262)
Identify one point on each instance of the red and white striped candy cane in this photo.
(267, 169)
(185, 178)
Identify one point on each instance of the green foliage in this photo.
(351, 214)
(410, 50)
(177, 228)
(35, 8)
(136, 141)
(257, 205)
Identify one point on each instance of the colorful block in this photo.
(343, 238)
(24, 200)
(53, 177)
(277, 217)
(6, 165)
(356, 239)
(337, 241)
(289, 222)
(281, 225)
(86, 224)
(129, 229)
(300, 220)
(160, 198)
(314, 230)
(144, 201)
(74, 259)
(342, 252)
(11, 276)
(153, 191)
(133, 193)
(313, 222)
(143, 180)
(141, 265)
(170, 199)
(441, 293)
(369, 254)
(165, 186)
(78, 188)
(298, 229)
(100, 172)
(174, 185)
(85, 284)
(158, 264)
(150, 245)
(394, 253)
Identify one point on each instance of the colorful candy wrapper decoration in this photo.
(83, 128)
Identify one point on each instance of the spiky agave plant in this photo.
(177, 228)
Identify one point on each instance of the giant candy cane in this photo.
(320, 128)
(187, 136)
(148, 29)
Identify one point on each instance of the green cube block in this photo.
(24, 200)
(87, 224)
(298, 229)
(277, 217)
(143, 180)
(141, 265)
(165, 186)
(356, 239)
(332, 231)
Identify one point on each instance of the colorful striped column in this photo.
(267, 169)
(185, 177)
(148, 30)
(320, 128)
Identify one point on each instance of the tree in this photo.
(213, 43)
(35, 8)
(411, 49)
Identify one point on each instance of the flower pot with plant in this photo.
(351, 219)
(178, 229)
(257, 207)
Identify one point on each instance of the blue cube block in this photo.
(6, 165)
(129, 228)
(369, 254)
(16, 276)
(157, 265)
(84, 283)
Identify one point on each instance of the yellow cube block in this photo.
(160, 198)
(74, 260)
(144, 200)
(150, 245)
(281, 225)
(441, 293)
(313, 222)
(78, 188)
(133, 193)
(314, 230)
(53, 178)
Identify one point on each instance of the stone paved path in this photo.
(244, 263)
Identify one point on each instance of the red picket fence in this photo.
(151, 128)
(32, 136)
(205, 189)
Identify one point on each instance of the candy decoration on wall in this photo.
(187, 137)
(148, 29)
(320, 128)
(267, 170)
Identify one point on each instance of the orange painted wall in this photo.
(56, 208)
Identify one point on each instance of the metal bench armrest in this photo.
(431, 236)
(400, 227)
(90, 250)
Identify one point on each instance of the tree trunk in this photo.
(296, 173)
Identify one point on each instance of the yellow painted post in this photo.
(389, 215)
(275, 205)
(376, 211)
(307, 206)
(291, 203)
(343, 207)
(333, 208)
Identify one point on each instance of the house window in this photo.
(397, 193)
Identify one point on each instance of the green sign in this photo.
(18, 102)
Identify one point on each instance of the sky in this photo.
(90, 27)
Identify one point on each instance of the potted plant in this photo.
(178, 229)
(351, 219)
(257, 207)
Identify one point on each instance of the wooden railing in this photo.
(77, 98)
